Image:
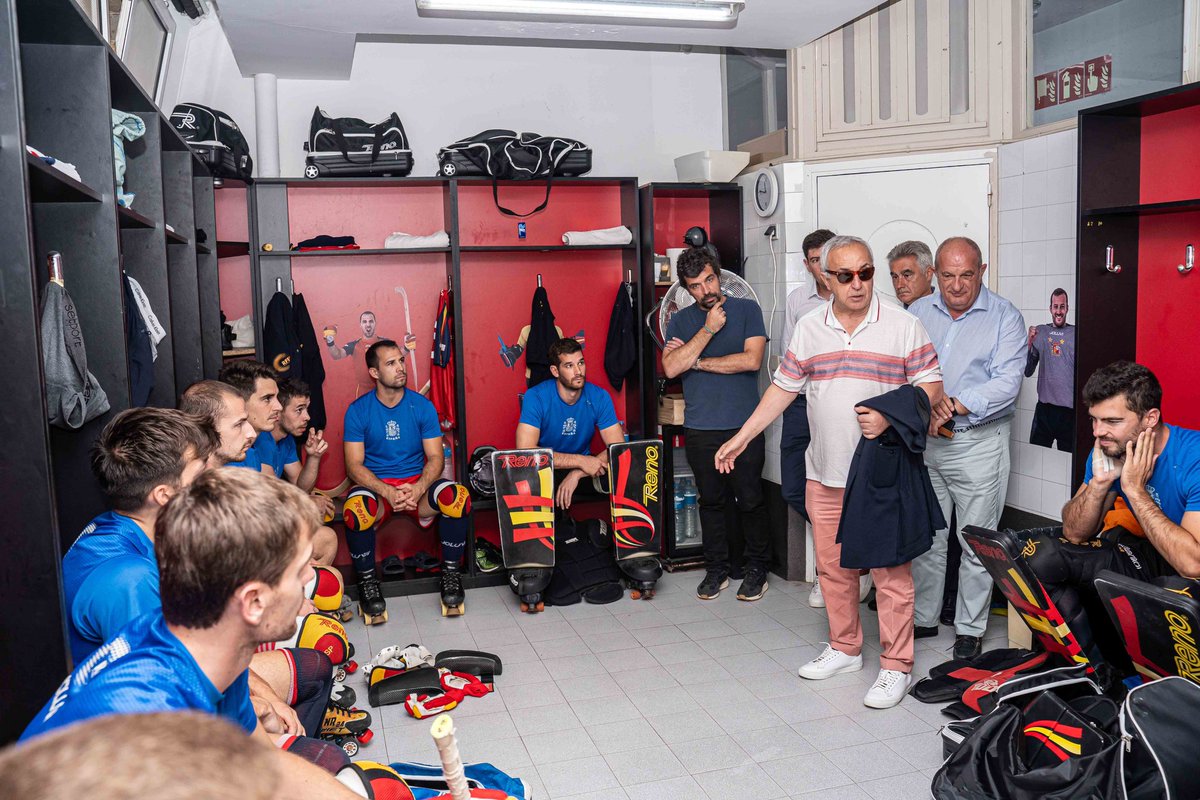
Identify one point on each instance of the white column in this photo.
(266, 125)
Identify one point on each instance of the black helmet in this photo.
(479, 472)
(695, 237)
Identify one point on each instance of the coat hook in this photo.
(1108, 260)
(1189, 259)
(539, 280)
(279, 285)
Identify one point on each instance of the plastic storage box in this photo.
(711, 166)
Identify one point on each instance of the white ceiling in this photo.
(316, 38)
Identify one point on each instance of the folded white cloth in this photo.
(153, 326)
(404, 241)
(618, 235)
(243, 331)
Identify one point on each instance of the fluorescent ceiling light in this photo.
(710, 11)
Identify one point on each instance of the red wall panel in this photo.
(572, 208)
(673, 216)
(368, 214)
(1170, 158)
(1167, 340)
(497, 295)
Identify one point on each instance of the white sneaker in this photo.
(815, 598)
(829, 663)
(864, 587)
(889, 689)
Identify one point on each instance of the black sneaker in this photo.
(924, 632)
(755, 584)
(714, 581)
(967, 647)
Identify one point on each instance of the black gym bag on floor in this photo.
(350, 147)
(506, 155)
(215, 138)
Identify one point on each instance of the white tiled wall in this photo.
(773, 279)
(1037, 212)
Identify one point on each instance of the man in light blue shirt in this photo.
(980, 340)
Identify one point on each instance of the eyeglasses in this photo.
(864, 274)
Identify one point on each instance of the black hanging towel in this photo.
(620, 349)
(312, 368)
(138, 350)
(281, 349)
(542, 334)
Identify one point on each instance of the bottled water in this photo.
(691, 511)
(679, 515)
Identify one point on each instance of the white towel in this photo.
(153, 326)
(618, 235)
(406, 241)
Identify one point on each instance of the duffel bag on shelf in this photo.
(215, 138)
(350, 147)
(506, 155)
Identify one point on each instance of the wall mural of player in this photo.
(1053, 348)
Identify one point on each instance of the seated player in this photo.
(393, 448)
(234, 551)
(280, 452)
(1137, 512)
(258, 387)
(144, 456)
(225, 411)
(563, 414)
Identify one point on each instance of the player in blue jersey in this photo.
(280, 453)
(225, 410)
(1137, 512)
(393, 449)
(110, 574)
(564, 414)
(234, 553)
(259, 388)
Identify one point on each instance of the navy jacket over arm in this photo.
(890, 511)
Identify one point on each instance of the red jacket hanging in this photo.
(441, 367)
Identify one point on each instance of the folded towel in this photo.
(618, 235)
(403, 241)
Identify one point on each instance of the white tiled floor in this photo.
(671, 698)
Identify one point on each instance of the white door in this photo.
(892, 205)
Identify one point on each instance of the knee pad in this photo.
(1045, 557)
(450, 499)
(373, 781)
(325, 589)
(325, 755)
(318, 632)
(365, 510)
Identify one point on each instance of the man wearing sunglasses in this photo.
(980, 339)
(855, 348)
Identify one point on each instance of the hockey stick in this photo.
(452, 767)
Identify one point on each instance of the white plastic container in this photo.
(711, 166)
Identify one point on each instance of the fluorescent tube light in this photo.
(710, 11)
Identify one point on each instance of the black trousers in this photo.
(741, 487)
(1053, 423)
(1068, 572)
(793, 442)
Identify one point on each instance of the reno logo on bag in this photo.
(517, 460)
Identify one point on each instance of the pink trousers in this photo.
(893, 587)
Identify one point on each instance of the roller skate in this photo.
(371, 604)
(641, 574)
(453, 598)
(342, 695)
(528, 583)
(347, 728)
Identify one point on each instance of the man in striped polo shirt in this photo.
(846, 351)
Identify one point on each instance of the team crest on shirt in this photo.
(391, 431)
(569, 427)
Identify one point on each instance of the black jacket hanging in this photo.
(140, 354)
(541, 335)
(890, 511)
(281, 350)
(620, 349)
(312, 368)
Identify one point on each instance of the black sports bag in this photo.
(505, 155)
(215, 138)
(348, 146)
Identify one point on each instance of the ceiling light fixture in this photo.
(704, 11)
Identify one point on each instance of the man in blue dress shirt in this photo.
(980, 340)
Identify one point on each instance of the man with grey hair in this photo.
(911, 265)
(980, 339)
(855, 348)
